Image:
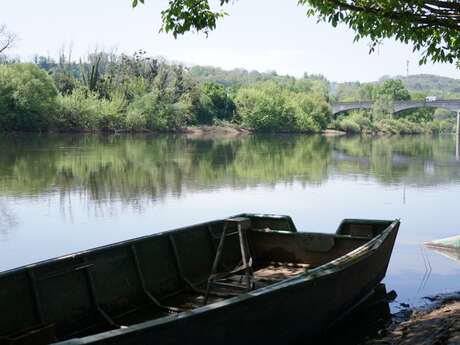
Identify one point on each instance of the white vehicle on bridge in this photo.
(430, 98)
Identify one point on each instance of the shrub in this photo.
(150, 112)
(83, 110)
(215, 104)
(27, 97)
(264, 108)
(442, 126)
(350, 126)
(78, 111)
(311, 112)
(273, 107)
(356, 122)
(65, 82)
(112, 113)
(399, 126)
(136, 121)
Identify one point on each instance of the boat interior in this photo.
(163, 274)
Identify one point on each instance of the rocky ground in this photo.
(438, 323)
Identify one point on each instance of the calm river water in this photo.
(61, 193)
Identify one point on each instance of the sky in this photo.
(261, 35)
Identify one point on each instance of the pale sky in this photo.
(259, 34)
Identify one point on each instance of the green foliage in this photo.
(419, 86)
(92, 76)
(442, 87)
(383, 107)
(115, 93)
(271, 107)
(185, 15)
(442, 126)
(65, 82)
(356, 122)
(149, 111)
(421, 115)
(264, 107)
(83, 110)
(444, 114)
(311, 112)
(399, 126)
(112, 113)
(430, 27)
(78, 111)
(216, 104)
(349, 126)
(27, 98)
(393, 89)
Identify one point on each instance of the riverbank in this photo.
(218, 131)
(222, 131)
(435, 324)
(199, 131)
(127, 94)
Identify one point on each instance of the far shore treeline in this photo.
(110, 92)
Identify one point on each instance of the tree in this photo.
(7, 39)
(215, 103)
(27, 97)
(431, 26)
(393, 88)
(383, 107)
(264, 107)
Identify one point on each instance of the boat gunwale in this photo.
(344, 261)
(338, 264)
(144, 237)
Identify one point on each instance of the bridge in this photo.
(451, 104)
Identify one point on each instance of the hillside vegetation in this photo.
(108, 92)
(432, 84)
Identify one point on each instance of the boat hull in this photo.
(154, 289)
(293, 311)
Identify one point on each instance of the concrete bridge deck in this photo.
(451, 104)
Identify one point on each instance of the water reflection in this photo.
(7, 219)
(134, 167)
(64, 193)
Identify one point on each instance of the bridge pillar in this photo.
(458, 123)
(457, 151)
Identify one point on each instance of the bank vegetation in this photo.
(110, 92)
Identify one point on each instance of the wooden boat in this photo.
(248, 279)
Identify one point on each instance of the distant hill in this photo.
(427, 84)
(430, 84)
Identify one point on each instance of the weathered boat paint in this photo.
(94, 292)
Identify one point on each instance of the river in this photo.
(64, 193)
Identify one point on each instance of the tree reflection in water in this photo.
(141, 167)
